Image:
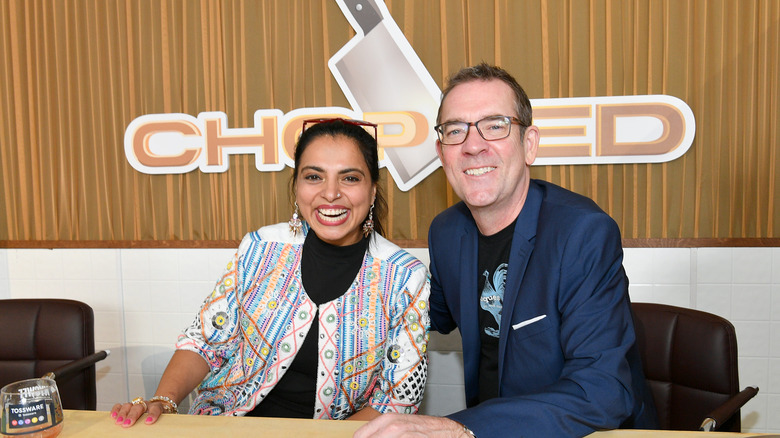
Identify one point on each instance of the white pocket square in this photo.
(528, 321)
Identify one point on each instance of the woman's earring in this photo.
(368, 225)
(295, 222)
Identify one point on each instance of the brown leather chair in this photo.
(690, 361)
(42, 336)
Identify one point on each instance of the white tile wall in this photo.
(5, 288)
(144, 297)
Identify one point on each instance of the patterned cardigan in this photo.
(372, 342)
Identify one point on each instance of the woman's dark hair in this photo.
(367, 146)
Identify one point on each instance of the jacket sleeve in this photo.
(214, 332)
(595, 333)
(405, 359)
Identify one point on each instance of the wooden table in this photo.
(89, 424)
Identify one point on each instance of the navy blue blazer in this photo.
(567, 364)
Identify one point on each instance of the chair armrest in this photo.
(723, 412)
(69, 369)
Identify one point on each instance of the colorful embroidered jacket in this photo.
(372, 343)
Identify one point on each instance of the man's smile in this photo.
(479, 171)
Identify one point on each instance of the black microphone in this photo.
(77, 365)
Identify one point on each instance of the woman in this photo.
(315, 318)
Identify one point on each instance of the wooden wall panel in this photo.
(75, 73)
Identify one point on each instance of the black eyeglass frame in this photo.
(349, 121)
(511, 120)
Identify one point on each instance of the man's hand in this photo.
(407, 426)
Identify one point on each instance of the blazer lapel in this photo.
(522, 247)
(469, 321)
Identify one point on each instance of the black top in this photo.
(327, 272)
(492, 264)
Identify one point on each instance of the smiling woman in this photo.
(318, 318)
(334, 188)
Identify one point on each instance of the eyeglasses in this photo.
(490, 128)
(349, 121)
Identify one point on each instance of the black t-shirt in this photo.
(492, 263)
(327, 272)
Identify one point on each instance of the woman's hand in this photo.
(184, 371)
(128, 414)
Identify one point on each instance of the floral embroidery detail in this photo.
(219, 320)
(394, 353)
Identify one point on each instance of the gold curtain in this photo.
(75, 73)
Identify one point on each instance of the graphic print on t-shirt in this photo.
(492, 298)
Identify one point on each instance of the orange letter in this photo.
(147, 158)
(671, 119)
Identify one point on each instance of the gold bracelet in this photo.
(169, 406)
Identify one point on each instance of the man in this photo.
(531, 274)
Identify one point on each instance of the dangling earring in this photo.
(295, 223)
(368, 225)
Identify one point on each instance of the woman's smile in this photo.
(332, 215)
(334, 190)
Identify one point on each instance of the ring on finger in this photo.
(140, 401)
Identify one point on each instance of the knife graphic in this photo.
(378, 70)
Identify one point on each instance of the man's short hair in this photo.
(486, 72)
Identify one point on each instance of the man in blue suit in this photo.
(532, 276)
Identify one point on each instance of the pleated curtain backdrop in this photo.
(75, 73)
